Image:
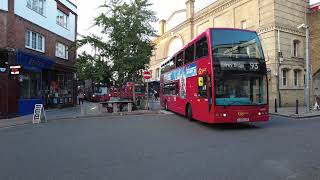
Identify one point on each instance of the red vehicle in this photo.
(127, 90)
(101, 94)
(219, 77)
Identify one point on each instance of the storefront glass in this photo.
(31, 85)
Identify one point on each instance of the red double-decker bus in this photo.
(219, 77)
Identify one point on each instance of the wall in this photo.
(314, 23)
(22, 25)
(3, 29)
(314, 20)
(48, 21)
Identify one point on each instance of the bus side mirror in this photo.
(200, 81)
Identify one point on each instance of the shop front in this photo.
(41, 82)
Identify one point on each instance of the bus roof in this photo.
(199, 36)
(166, 60)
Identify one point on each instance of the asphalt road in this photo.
(160, 147)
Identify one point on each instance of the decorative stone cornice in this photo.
(173, 30)
(215, 8)
(281, 27)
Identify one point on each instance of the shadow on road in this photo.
(233, 127)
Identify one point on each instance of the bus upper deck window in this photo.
(202, 48)
(189, 54)
(179, 59)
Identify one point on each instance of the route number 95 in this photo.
(254, 66)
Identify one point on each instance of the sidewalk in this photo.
(88, 109)
(291, 112)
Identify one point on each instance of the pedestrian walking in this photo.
(81, 97)
(155, 93)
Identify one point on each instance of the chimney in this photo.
(190, 8)
(162, 26)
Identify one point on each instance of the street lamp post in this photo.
(308, 69)
(307, 88)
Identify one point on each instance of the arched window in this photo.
(296, 48)
(175, 45)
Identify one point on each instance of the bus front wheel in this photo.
(189, 113)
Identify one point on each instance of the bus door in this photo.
(203, 103)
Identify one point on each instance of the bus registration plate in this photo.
(243, 120)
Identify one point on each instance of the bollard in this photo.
(100, 108)
(129, 107)
(297, 106)
(275, 106)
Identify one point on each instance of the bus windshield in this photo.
(241, 89)
(239, 68)
(236, 44)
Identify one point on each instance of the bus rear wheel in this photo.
(189, 113)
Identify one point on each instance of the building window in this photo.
(30, 85)
(296, 44)
(62, 19)
(157, 73)
(284, 77)
(244, 24)
(61, 50)
(34, 41)
(296, 78)
(37, 5)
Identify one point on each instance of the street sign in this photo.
(147, 75)
(15, 70)
(39, 114)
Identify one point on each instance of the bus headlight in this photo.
(259, 113)
(221, 115)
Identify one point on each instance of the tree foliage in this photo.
(126, 30)
(93, 68)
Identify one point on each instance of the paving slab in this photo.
(291, 112)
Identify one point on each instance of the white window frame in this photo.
(284, 77)
(35, 6)
(65, 49)
(295, 48)
(244, 24)
(296, 78)
(29, 37)
(65, 17)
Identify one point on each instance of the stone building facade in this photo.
(314, 23)
(276, 23)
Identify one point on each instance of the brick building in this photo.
(40, 37)
(272, 19)
(314, 23)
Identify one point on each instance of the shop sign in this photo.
(39, 114)
(3, 69)
(15, 70)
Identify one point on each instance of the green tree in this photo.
(93, 68)
(126, 30)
